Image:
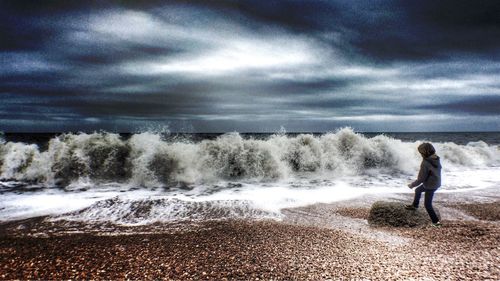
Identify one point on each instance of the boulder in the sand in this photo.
(384, 213)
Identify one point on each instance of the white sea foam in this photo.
(143, 179)
(146, 160)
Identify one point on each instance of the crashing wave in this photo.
(147, 160)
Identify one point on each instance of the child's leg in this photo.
(418, 193)
(429, 194)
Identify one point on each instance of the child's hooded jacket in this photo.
(429, 174)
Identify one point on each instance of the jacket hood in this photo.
(433, 160)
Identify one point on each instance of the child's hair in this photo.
(426, 149)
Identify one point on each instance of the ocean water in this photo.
(143, 178)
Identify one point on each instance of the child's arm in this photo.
(422, 175)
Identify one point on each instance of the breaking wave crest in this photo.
(147, 160)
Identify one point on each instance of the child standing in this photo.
(428, 181)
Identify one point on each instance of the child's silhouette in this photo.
(428, 180)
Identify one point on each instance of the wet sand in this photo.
(319, 242)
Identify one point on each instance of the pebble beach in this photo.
(343, 247)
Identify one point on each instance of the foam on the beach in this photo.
(229, 176)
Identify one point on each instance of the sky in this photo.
(249, 66)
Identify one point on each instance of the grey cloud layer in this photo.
(249, 65)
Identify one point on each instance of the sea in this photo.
(151, 177)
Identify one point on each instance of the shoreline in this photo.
(317, 242)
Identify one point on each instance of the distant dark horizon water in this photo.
(490, 137)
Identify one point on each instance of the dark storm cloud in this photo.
(124, 54)
(444, 28)
(179, 100)
(416, 30)
(297, 15)
(254, 65)
(386, 30)
(146, 105)
(482, 105)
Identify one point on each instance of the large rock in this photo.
(394, 214)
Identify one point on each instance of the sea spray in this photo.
(16, 159)
(147, 160)
(148, 177)
(232, 157)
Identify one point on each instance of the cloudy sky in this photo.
(250, 66)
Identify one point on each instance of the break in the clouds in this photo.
(249, 65)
